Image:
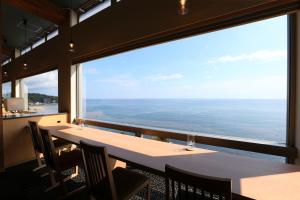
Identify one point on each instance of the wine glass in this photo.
(190, 142)
(82, 123)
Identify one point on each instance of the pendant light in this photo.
(25, 65)
(183, 7)
(5, 73)
(71, 43)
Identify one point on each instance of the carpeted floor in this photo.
(21, 183)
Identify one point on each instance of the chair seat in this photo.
(70, 159)
(61, 143)
(127, 183)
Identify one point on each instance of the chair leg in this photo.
(38, 168)
(52, 187)
(39, 162)
(52, 177)
(44, 175)
(72, 193)
(53, 182)
(148, 191)
(63, 186)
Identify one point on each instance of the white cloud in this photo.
(44, 83)
(166, 77)
(91, 70)
(121, 80)
(262, 55)
(264, 87)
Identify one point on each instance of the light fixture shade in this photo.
(71, 46)
(183, 7)
(25, 65)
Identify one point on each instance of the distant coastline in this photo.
(37, 98)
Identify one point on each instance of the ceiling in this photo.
(15, 11)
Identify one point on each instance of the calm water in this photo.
(250, 119)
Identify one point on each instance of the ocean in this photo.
(263, 120)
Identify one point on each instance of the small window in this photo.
(94, 10)
(6, 61)
(26, 50)
(52, 35)
(38, 43)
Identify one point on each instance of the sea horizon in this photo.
(254, 119)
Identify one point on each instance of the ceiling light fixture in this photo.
(183, 7)
(25, 65)
(71, 43)
(5, 73)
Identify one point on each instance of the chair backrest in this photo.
(35, 136)
(98, 173)
(49, 152)
(186, 185)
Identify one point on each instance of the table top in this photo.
(253, 178)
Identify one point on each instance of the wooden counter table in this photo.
(252, 178)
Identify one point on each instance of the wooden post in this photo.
(64, 70)
(296, 107)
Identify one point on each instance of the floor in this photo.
(21, 182)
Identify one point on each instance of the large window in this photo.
(40, 93)
(229, 83)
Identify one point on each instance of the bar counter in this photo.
(16, 145)
(18, 116)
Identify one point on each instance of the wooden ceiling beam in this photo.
(42, 8)
(6, 51)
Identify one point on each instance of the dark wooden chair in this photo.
(37, 143)
(58, 163)
(185, 185)
(105, 183)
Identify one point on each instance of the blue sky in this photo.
(248, 61)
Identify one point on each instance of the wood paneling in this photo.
(291, 106)
(6, 51)
(135, 23)
(42, 8)
(297, 88)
